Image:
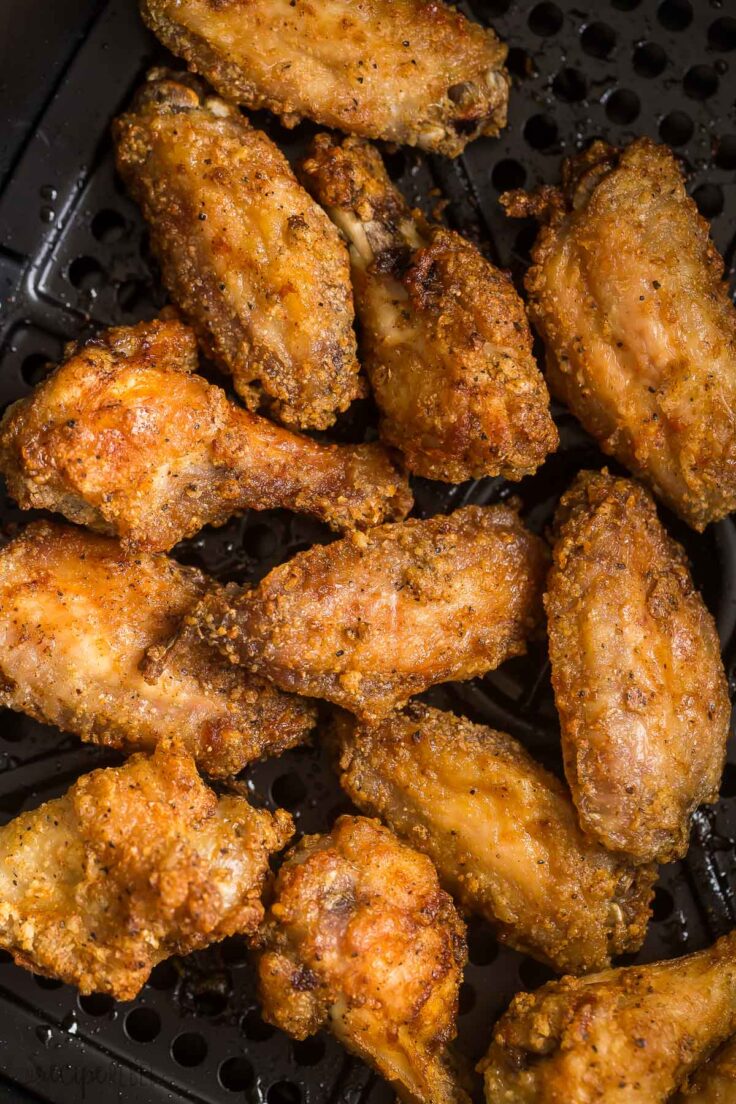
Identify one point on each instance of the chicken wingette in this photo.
(359, 937)
(255, 265)
(627, 290)
(636, 670)
(133, 864)
(627, 1036)
(715, 1081)
(404, 70)
(502, 832)
(125, 438)
(89, 642)
(444, 335)
(374, 618)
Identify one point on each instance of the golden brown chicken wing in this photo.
(131, 865)
(444, 335)
(372, 619)
(502, 833)
(361, 937)
(87, 643)
(628, 1036)
(404, 70)
(256, 266)
(636, 670)
(627, 290)
(123, 437)
(715, 1081)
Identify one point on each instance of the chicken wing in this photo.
(502, 833)
(404, 70)
(361, 937)
(627, 290)
(87, 643)
(444, 335)
(370, 620)
(133, 864)
(124, 438)
(636, 670)
(256, 266)
(627, 1036)
(715, 1081)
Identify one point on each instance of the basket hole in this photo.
(164, 976)
(189, 1049)
(466, 998)
(649, 59)
(395, 163)
(255, 1028)
(675, 15)
(482, 945)
(676, 128)
(726, 152)
(545, 20)
(96, 1004)
(662, 905)
(288, 791)
(508, 174)
(569, 86)
(622, 106)
(108, 226)
(35, 367)
(625, 5)
(209, 1002)
(130, 295)
(142, 1025)
(520, 64)
(234, 951)
(700, 82)
(541, 132)
(709, 198)
(47, 983)
(598, 40)
(728, 782)
(284, 1092)
(236, 1074)
(85, 274)
(722, 34)
(308, 1052)
(533, 974)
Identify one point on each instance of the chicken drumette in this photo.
(360, 937)
(715, 1081)
(256, 266)
(133, 864)
(444, 335)
(124, 438)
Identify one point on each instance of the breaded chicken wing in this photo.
(715, 1081)
(501, 831)
(444, 335)
(124, 438)
(405, 70)
(627, 290)
(133, 864)
(636, 670)
(87, 643)
(360, 937)
(370, 620)
(627, 1036)
(256, 266)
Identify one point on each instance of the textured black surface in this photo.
(73, 255)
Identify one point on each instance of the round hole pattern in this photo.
(622, 106)
(545, 20)
(255, 1028)
(649, 59)
(284, 1092)
(86, 274)
(163, 976)
(288, 790)
(598, 40)
(108, 226)
(541, 132)
(236, 1074)
(569, 86)
(722, 34)
(142, 1025)
(533, 974)
(308, 1052)
(34, 368)
(189, 1049)
(508, 174)
(676, 128)
(700, 82)
(725, 155)
(96, 1004)
(709, 198)
(675, 15)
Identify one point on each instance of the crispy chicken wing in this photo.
(86, 644)
(131, 865)
(256, 266)
(372, 619)
(502, 833)
(636, 670)
(444, 335)
(627, 1036)
(361, 937)
(627, 290)
(404, 70)
(123, 437)
(715, 1081)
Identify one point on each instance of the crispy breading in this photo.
(257, 268)
(627, 290)
(125, 438)
(715, 1081)
(89, 642)
(444, 335)
(133, 864)
(404, 70)
(370, 620)
(502, 832)
(627, 1036)
(636, 670)
(360, 937)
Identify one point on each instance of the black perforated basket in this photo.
(73, 257)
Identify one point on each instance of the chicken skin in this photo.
(445, 340)
(361, 938)
(133, 864)
(636, 670)
(125, 438)
(370, 620)
(257, 268)
(627, 1036)
(501, 831)
(87, 642)
(404, 70)
(715, 1081)
(627, 291)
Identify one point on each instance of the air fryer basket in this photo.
(73, 257)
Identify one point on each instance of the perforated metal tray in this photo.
(73, 257)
